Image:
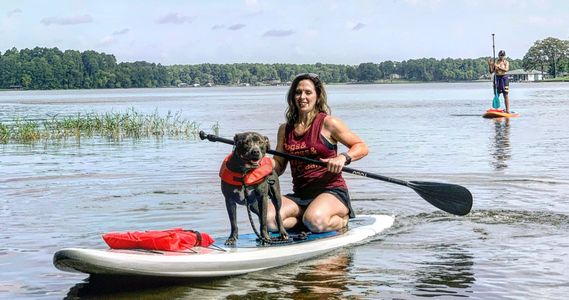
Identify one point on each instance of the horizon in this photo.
(250, 31)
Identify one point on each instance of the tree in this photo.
(387, 68)
(26, 80)
(368, 72)
(549, 55)
(72, 64)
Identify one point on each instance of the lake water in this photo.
(513, 245)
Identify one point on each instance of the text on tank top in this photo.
(309, 179)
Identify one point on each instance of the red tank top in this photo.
(309, 180)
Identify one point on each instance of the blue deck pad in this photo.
(250, 240)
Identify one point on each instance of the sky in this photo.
(292, 31)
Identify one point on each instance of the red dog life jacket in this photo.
(252, 177)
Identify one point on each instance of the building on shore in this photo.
(518, 75)
(522, 75)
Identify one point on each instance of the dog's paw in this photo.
(284, 235)
(230, 241)
(266, 236)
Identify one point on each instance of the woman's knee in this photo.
(316, 221)
(289, 213)
(326, 213)
(325, 223)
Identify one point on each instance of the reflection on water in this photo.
(501, 148)
(450, 273)
(125, 288)
(325, 278)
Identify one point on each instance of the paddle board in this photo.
(245, 257)
(498, 113)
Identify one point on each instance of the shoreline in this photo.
(394, 82)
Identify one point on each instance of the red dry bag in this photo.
(175, 239)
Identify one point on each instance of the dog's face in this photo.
(251, 147)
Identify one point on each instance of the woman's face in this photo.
(305, 96)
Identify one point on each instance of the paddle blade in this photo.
(452, 198)
(496, 102)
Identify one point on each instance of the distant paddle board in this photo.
(499, 113)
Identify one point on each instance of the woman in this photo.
(320, 201)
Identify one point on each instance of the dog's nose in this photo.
(256, 152)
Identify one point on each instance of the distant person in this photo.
(501, 82)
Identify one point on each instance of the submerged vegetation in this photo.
(111, 125)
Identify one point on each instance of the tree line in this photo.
(51, 68)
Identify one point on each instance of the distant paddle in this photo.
(452, 198)
(496, 100)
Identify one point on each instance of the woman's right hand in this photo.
(335, 164)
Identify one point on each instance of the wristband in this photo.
(348, 158)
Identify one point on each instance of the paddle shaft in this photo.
(492, 70)
(493, 49)
(214, 138)
(451, 198)
(496, 100)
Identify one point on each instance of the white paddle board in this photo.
(247, 255)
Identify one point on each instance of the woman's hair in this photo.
(321, 100)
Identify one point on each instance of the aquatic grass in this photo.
(112, 125)
(26, 130)
(4, 133)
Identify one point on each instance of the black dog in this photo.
(248, 178)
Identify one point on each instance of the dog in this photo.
(248, 178)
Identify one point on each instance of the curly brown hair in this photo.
(292, 113)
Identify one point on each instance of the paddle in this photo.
(496, 100)
(452, 198)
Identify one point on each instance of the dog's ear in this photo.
(237, 140)
(267, 143)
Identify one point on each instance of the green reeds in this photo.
(4, 133)
(112, 125)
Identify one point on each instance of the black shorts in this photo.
(502, 84)
(340, 193)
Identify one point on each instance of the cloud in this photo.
(121, 32)
(253, 8)
(427, 3)
(253, 14)
(358, 26)
(311, 33)
(217, 27)
(278, 33)
(107, 41)
(13, 12)
(251, 3)
(73, 20)
(175, 18)
(236, 26)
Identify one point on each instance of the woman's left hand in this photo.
(335, 164)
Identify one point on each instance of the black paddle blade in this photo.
(452, 198)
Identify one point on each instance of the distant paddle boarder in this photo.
(501, 82)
